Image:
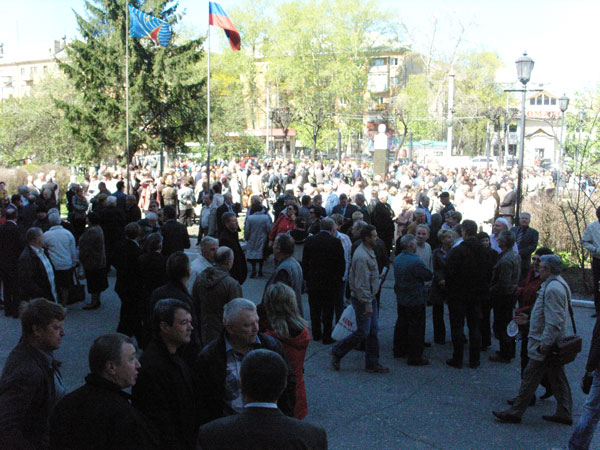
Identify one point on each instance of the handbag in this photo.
(76, 291)
(566, 348)
(347, 324)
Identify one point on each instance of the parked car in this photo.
(480, 162)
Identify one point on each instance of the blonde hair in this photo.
(282, 310)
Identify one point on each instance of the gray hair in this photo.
(207, 240)
(23, 190)
(524, 213)
(553, 263)
(111, 200)
(151, 216)
(507, 238)
(54, 219)
(419, 211)
(359, 225)
(232, 309)
(223, 255)
(407, 241)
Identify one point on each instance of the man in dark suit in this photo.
(175, 234)
(31, 382)
(344, 208)
(12, 243)
(229, 238)
(120, 195)
(36, 271)
(126, 255)
(227, 206)
(218, 366)
(112, 222)
(165, 391)
(323, 265)
(527, 241)
(261, 425)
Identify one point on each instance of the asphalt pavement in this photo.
(430, 407)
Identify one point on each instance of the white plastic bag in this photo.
(347, 324)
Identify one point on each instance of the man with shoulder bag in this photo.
(548, 328)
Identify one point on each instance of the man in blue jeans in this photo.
(364, 283)
(584, 431)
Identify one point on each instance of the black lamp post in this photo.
(563, 104)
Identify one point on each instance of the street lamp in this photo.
(524, 68)
(581, 117)
(563, 104)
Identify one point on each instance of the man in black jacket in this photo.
(12, 243)
(165, 392)
(227, 206)
(127, 253)
(175, 234)
(467, 281)
(31, 383)
(99, 415)
(527, 241)
(178, 273)
(218, 367)
(261, 425)
(229, 238)
(36, 271)
(323, 266)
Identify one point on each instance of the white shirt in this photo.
(199, 265)
(347, 245)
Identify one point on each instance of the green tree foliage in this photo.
(165, 90)
(33, 128)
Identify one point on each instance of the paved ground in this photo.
(432, 407)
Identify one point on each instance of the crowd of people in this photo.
(212, 359)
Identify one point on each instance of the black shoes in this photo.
(506, 417)
(499, 359)
(546, 394)
(92, 306)
(328, 340)
(474, 365)
(454, 363)
(558, 419)
(253, 274)
(335, 362)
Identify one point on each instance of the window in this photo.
(22, 71)
(378, 61)
(393, 61)
(553, 101)
(532, 101)
(538, 100)
(546, 100)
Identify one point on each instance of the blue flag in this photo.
(142, 25)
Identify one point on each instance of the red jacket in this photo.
(283, 224)
(295, 350)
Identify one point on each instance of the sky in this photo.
(560, 36)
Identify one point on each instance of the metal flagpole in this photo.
(127, 93)
(208, 114)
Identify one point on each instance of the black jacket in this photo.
(526, 245)
(126, 261)
(219, 215)
(230, 239)
(261, 429)
(593, 361)
(12, 243)
(99, 416)
(165, 393)
(33, 278)
(27, 396)
(468, 271)
(210, 371)
(175, 237)
(323, 262)
(350, 209)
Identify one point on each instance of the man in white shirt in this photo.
(206, 259)
(61, 247)
(591, 242)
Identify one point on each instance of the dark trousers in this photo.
(503, 314)
(186, 217)
(459, 311)
(321, 304)
(485, 327)
(439, 327)
(11, 299)
(596, 277)
(130, 321)
(409, 332)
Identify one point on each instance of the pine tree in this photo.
(166, 93)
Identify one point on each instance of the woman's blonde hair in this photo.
(282, 310)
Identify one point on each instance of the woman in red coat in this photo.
(287, 326)
(284, 223)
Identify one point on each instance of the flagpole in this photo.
(127, 93)
(208, 114)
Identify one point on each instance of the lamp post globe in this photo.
(563, 103)
(524, 68)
